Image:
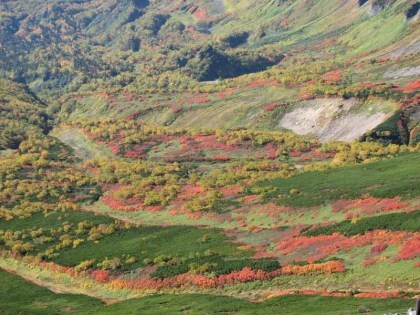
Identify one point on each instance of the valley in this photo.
(209, 157)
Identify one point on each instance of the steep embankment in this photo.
(337, 119)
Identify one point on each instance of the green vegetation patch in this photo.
(21, 115)
(295, 304)
(18, 296)
(53, 220)
(150, 244)
(214, 265)
(381, 179)
(72, 238)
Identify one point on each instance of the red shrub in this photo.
(270, 107)
(332, 77)
(378, 248)
(369, 262)
(379, 295)
(222, 158)
(284, 22)
(231, 191)
(224, 94)
(176, 110)
(411, 249)
(305, 96)
(133, 115)
(412, 87)
(370, 205)
(100, 275)
(258, 83)
(295, 153)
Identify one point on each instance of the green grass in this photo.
(385, 179)
(18, 296)
(202, 304)
(151, 242)
(146, 242)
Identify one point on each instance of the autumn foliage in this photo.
(326, 268)
(410, 249)
(332, 77)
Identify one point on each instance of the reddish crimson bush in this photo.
(184, 280)
(319, 247)
(257, 83)
(251, 198)
(200, 14)
(231, 191)
(270, 107)
(378, 248)
(129, 205)
(284, 22)
(133, 115)
(349, 216)
(246, 275)
(321, 155)
(306, 96)
(290, 245)
(222, 158)
(412, 87)
(370, 205)
(411, 249)
(177, 110)
(332, 77)
(314, 215)
(191, 191)
(198, 99)
(369, 262)
(224, 94)
(100, 275)
(295, 153)
(379, 295)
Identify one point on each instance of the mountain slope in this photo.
(75, 41)
(260, 152)
(22, 115)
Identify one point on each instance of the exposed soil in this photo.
(403, 72)
(412, 48)
(83, 148)
(332, 119)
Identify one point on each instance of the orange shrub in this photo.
(411, 249)
(100, 275)
(326, 268)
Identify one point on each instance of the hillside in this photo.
(22, 115)
(76, 40)
(223, 156)
(162, 62)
